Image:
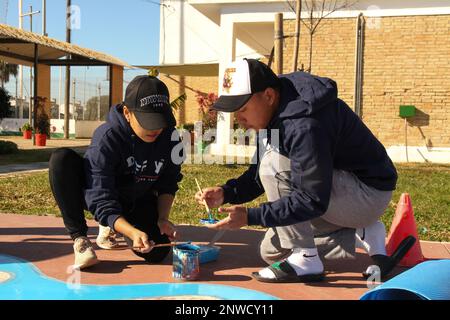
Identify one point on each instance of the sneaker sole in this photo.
(108, 247)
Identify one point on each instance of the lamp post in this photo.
(29, 14)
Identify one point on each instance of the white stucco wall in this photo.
(85, 129)
(188, 36)
(190, 31)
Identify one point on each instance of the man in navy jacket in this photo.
(326, 176)
(128, 177)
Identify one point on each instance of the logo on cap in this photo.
(228, 79)
(156, 100)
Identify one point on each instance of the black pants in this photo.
(66, 175)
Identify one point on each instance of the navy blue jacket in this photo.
(121, 168)
(318, 133)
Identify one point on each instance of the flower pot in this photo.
(27, 134)
(41, 139)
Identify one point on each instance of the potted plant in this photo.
(42, 129)
(27, 131)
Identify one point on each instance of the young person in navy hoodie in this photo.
(128, 176)
(327, 178)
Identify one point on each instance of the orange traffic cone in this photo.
(404, 225)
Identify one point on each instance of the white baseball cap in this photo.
(241, 79)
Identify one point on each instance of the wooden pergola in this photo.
(40, 52)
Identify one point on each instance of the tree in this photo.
(317, 11)
(5, 105)
(6, 71)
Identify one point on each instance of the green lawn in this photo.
(30, 156)
(428, 185)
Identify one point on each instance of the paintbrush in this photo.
(172, 244)
(210, 216)
(216, 238)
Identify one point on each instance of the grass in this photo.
(30, 156)
(428, 186)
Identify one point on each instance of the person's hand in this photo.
(214, 197)
(237, 218)
(140, 242)
(166, 227)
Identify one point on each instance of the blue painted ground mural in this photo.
(25, 282)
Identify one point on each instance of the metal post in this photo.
(74, 97)
(406, 140)
(110, 71)
(20, 67)
(279, 43)
(36, 61)
(84, 91)
(60, 92)
(30, 14)
(31, 77)
(99, 100)
(298, 11)
(16, 114)
(67, 87)
(44, 17)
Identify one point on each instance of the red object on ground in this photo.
(27, 134)
(41, 139)
(404, 225)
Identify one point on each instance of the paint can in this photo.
(186, 264)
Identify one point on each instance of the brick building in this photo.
(405, 60)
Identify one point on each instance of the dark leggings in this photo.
(66, 176)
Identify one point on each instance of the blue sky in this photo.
(126, 29)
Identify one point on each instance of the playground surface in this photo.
(36, 255)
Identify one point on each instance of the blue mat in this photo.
(427, 281)
(26, 282)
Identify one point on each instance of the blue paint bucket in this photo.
(209, 221)
(208, 253)
(186, 263)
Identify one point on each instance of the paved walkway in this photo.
(43, 241)
(22, 168)
(51, 143)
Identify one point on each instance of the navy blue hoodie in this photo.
(318, 133)
(121, 168)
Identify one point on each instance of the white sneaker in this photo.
(106, 238)
(84, 253)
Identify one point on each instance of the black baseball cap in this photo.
(242, 79)
(148, 98)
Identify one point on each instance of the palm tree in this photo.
(7, 70)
